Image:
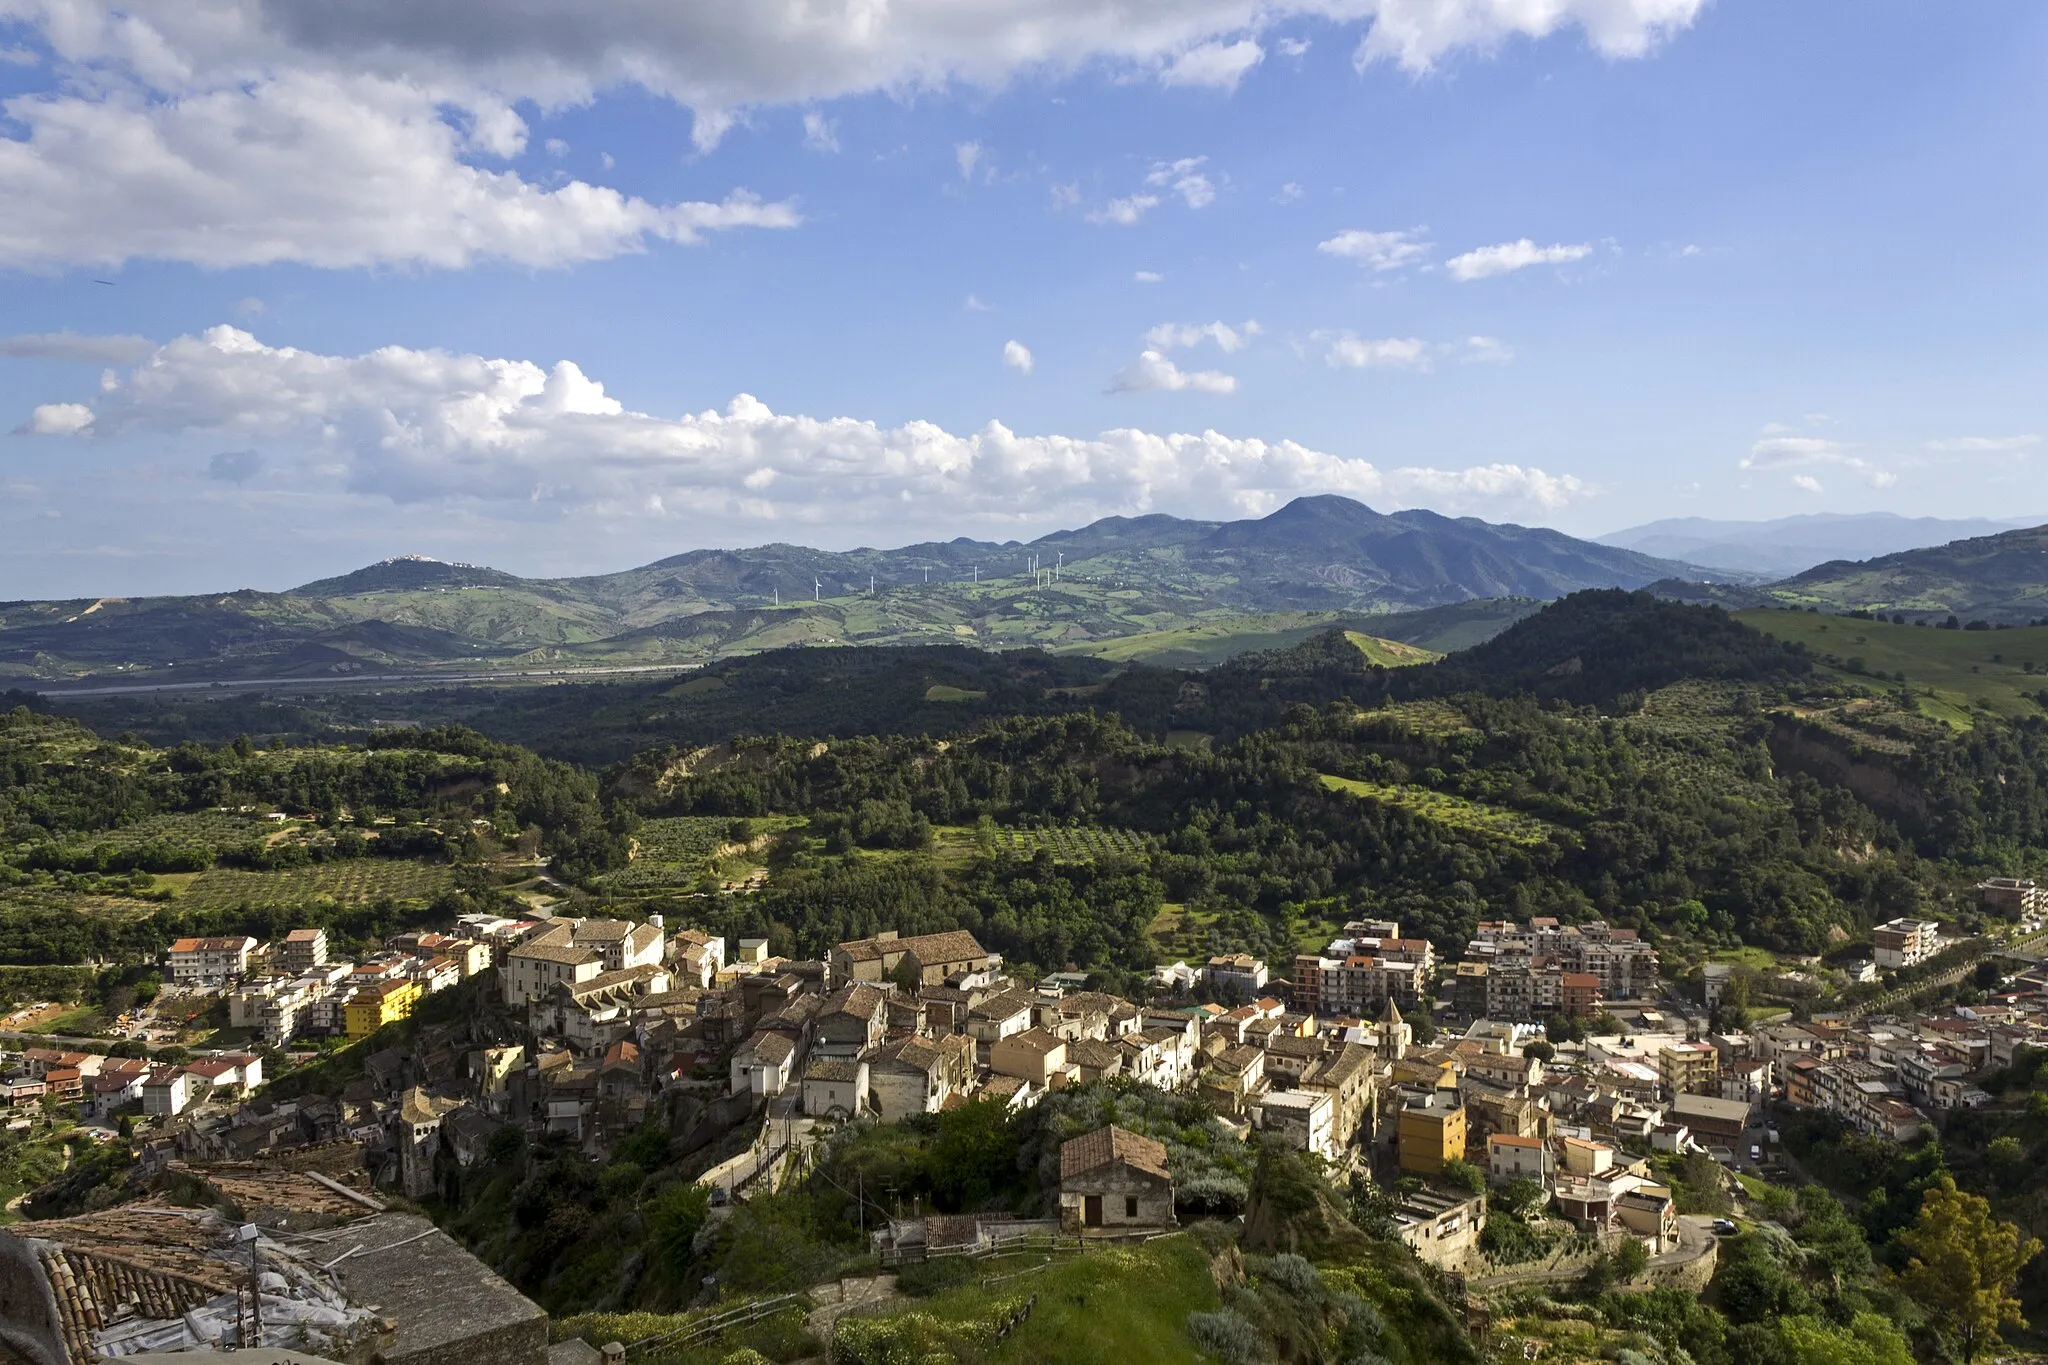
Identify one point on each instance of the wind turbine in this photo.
(817, 590)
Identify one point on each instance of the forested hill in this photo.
(1110, 581)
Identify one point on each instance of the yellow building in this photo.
(372, 1007)
(1431, 1132)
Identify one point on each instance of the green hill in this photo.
(1954, 672)
(1201, 591)
(2002, 579)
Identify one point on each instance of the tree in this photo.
(1964, 1264)
(1540, 1051)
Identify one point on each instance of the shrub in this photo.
(1227, 1336)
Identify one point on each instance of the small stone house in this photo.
(1114, 1180)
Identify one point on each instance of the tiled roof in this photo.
(1092, 1151)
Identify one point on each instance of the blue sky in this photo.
(496, 293)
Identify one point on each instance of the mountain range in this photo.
(1790, 545)
(1315, 562)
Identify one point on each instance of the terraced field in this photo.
(356, 881)
(1953, 673)
(1454, 812)
(1082, 845)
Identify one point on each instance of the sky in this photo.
(566, 287)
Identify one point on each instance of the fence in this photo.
(705, 1329)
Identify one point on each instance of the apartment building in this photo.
(1906, 942)
(208, 961)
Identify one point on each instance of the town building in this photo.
(932, 957)
(836, 1088)
(1238, 976)
(1115, 1180)
(1430, 1131)
(300, 950)
(2013, 897)
(1905, 942)
(208, 961)
(1509, 1157)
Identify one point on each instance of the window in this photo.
(1130, 1206)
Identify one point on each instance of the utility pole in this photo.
(248, 1234)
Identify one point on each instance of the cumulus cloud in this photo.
(1220, 66)
(424, 426)
(1485, 351)
(1806, 483)
(1382, 251)
(1147, 276)
(87, 350)
(1017, 356)
(967, 155)
(1155, 372)
(1169, 335)
(221, 118)
(1186, 179)
(1776, 451)
(332, 171)
(1292, 47)
(1349, 351)
(1484, 261)
(57, 419)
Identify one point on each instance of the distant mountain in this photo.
(2001, 579)
(1115, 578)
(1790, 545)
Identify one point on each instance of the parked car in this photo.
(1724, 1227)
(1756, 1154)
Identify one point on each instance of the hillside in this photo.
(1322, 561)
(1954, 675)
(2001, 579)
(1790, 545)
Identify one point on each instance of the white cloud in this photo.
(821, 134)
(1509, 256)
(1348, 351)
(1017, 356)
(149, 87)
(1776, 451)
(556, 147)
(328, 171)
(1485, 350)
(419, 426)
(1169, 335)
(1383, 251)
(1806, 483)
(1155, 372)
(1126, 212)
(1220, 66)
(1964, 445)
(1292, 47)
(1147, 276)
(974, 304)
(967, 155)
(57, 419)
(1185, 178)
(88, 350)
(1289, 192)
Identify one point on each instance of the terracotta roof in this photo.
(304, 935)
(1092, 1151)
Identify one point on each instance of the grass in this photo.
(1954, 672)
(948, 693)
(1110, 1307)
(1454, 812)
(357, 881)
(1390, 653)
(77, 1023)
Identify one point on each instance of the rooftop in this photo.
(1105, 1145)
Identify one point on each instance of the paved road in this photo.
(1695, 1239)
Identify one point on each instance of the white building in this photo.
(1906, 942)
(208, 961)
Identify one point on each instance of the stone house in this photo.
(851, 1021)
(1114, 1180)
(1033, 1055)
(835, 1087)
(916, 1075)
(933, 957)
